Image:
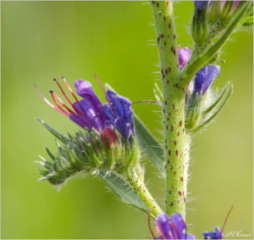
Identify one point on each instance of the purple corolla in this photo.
(89, 112)
(173, 227)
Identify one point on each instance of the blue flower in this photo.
(90, 106)
(89, 112)
(205, 77)
(201, 4)
(217, 234)
(120, 114)
(172, 227)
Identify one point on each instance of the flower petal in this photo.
(205, 77)
(184, 55)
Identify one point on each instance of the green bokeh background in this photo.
(43, 40)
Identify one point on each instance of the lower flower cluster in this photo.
(174, 227)
(107, 142)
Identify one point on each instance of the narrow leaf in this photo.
(123, 190)
(217, 109)
(58, 135)
(149, 145)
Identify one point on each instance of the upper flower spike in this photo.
(119, 113)
(205, 77)
(172, 227)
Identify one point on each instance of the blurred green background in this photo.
(43, 40)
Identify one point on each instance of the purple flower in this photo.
(172, 227)
(235, 3)
(184, 55)
(119, 112)
(90, 107)
(205, 77)
(201, 4)
(217, 234)
(89, 112)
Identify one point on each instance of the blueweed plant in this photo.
(112, 136)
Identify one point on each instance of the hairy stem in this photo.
(143, 192)
(176, 140)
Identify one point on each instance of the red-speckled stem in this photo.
(176, 141)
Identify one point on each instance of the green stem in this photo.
(176, 140)
(139, 186)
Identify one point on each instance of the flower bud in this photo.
(199, 22)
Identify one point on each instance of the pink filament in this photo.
(47, 102)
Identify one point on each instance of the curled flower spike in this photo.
(172, 227)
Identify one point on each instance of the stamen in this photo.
(52, 95)
(177, 232)
(75, 108)
(51, 105)
(69, 88)
(225, 221)
(62, 103)
(149, 224)
(104, 91)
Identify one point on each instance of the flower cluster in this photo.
(174, 227)
(204, 77)
(89, 112)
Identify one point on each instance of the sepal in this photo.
(200, 23)
(198, 114)
(88, 152)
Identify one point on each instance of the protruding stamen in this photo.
(75, 108)
(104, 91)
(62, 103)
(175, 228)
(225, 221)
(51, 105)
(69, 88)
(149, 224)
(52, 95)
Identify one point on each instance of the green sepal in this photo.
(200, 25)
(149, 145)
(211, 112)
(58, 135)
(123, 190)
(193, 111)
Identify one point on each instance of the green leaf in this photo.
(123, 190)
(149, 145)
(216, 107)
(58, 135)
